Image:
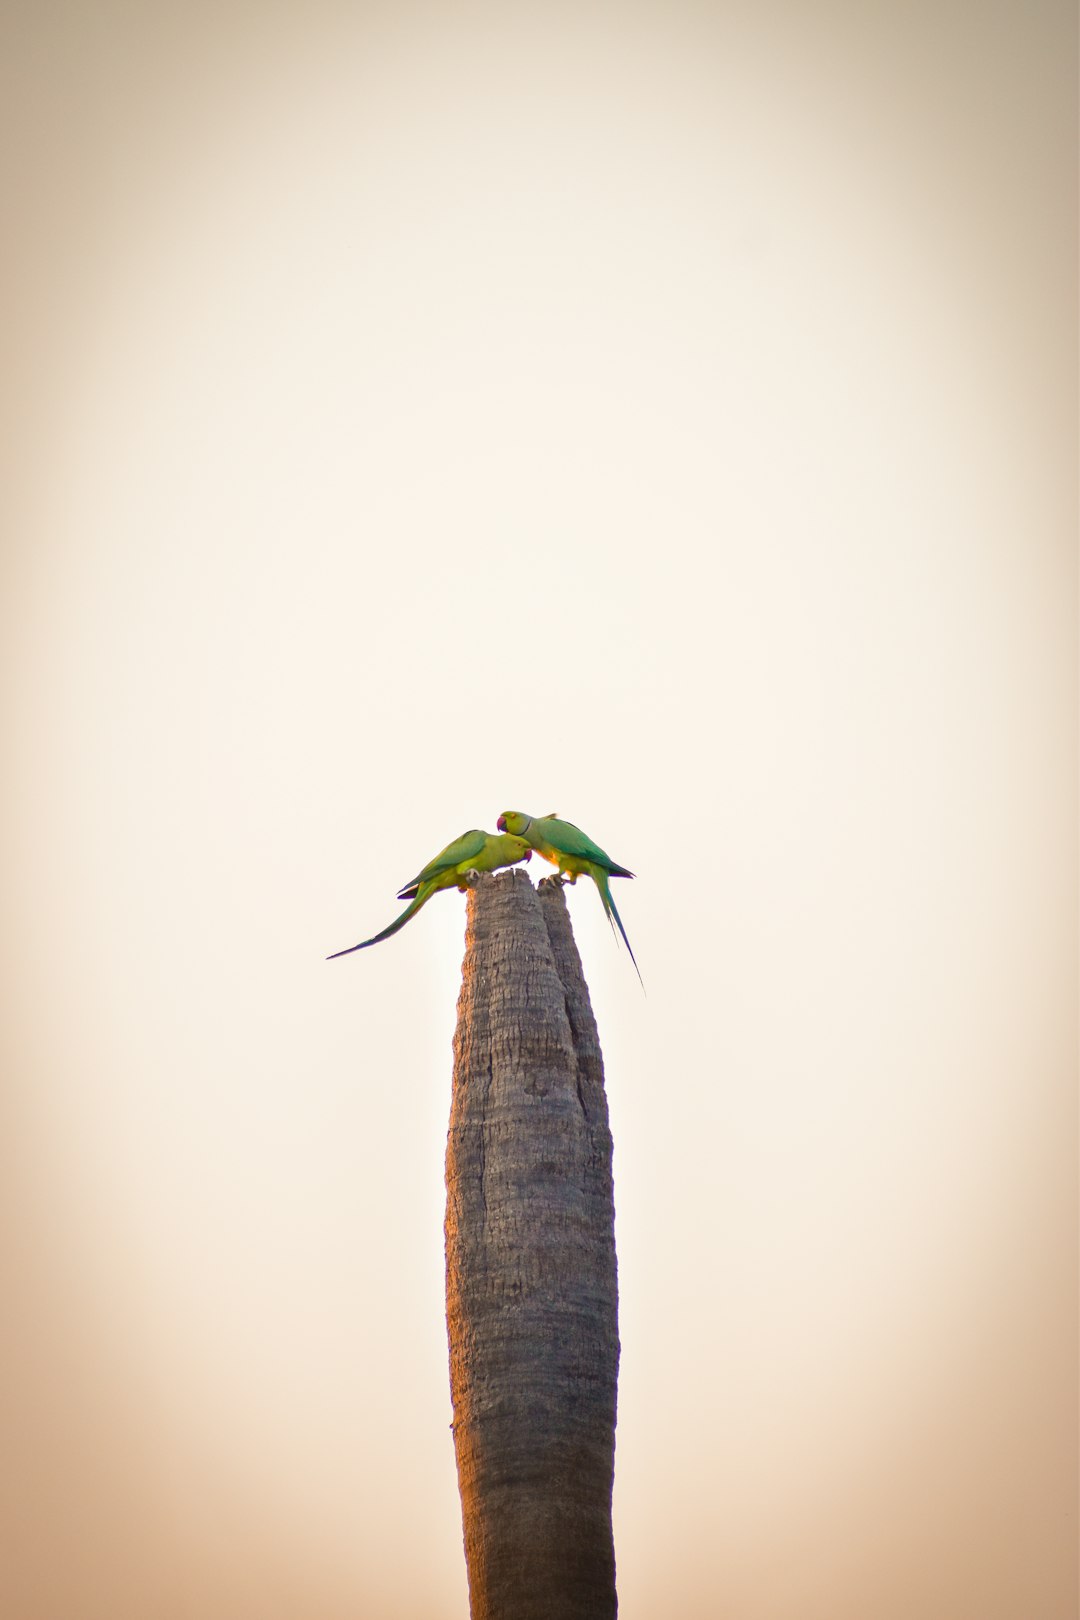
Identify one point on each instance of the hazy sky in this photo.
(665, 415)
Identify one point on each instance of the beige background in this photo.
(661, 414)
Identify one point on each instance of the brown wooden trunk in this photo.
(531, 1296)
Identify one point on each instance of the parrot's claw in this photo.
(472, 877)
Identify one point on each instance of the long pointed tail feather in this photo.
(612, 913)
(393, 928)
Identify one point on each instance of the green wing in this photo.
(465, 848)
(572, 841)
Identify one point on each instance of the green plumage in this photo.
(475, 851)
(465, 848)
(574, 853)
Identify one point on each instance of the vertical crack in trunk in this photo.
(531, 1289)
(481, 1143)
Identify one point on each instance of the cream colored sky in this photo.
(665, 415)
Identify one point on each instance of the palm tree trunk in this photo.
(531, 1296)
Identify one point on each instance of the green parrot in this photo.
(573, 852)
(455, 867)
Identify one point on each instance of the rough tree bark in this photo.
(531, 1296)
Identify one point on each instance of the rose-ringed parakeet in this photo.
(574, 853)
(455, 867)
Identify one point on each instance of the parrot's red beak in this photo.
(501, 824)
(527, 855)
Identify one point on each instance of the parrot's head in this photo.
(512, 821)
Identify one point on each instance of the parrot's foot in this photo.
(472, 877)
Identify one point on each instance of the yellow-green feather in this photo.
(473, 851)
